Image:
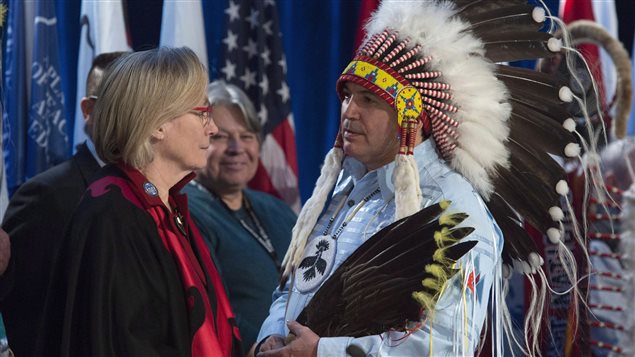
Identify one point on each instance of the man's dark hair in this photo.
(100, 63)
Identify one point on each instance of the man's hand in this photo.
(272, 342)
(304, 345)
(5, 251)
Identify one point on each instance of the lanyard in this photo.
(261, 236)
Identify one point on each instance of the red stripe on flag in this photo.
(262, 182)
(277, 172)
(285, 136)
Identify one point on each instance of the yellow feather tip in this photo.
(445, 204)
(436, 270)
(446, 220)
(452, 219)
(431, 283)
(444, 237)
(425, 300)
(439, 257)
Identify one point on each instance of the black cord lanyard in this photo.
(261, 236)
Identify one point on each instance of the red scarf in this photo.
(210, 315)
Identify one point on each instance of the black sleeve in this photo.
(35, 221)
(7, 280)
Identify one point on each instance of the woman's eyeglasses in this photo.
(204, 113)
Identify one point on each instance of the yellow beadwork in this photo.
(408, 102)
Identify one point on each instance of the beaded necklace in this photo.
(349, 217)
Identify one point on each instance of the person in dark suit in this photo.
(36, 220)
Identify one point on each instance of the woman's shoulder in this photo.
(110, 204)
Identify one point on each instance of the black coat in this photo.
(36, 221)
(116, 288)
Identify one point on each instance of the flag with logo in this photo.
(102, 30)
(253, 59)
(36, 133)
(182, 25)
(47, 132)
(15, 114)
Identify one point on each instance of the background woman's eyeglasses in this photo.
(204, 113)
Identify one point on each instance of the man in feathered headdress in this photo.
(427, 117)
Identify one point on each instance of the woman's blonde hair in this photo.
(139, 92)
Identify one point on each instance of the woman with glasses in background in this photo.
(138, 277)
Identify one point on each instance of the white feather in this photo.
(407, 191)
(312, 208)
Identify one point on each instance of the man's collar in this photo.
(91, 148)
(425, 154)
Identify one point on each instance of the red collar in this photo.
(148, 200)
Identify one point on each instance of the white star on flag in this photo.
(284, 92)
(253, 19)
(267, 28)
(232, 11)
(251, 48)
(264, 85)
(231, 41)
(229, 70)
(249, 78)
(262, 114)
(283, 64)
(266, 54)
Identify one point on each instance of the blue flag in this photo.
(35, 133)
(47, 132)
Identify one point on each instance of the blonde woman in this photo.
(135, 276)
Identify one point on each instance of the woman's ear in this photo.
(159, 133)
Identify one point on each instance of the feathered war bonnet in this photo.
(494, 124)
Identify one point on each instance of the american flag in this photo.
(253, 59)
